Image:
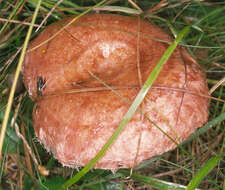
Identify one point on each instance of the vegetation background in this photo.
(202, 164)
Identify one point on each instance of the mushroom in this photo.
(75, 114)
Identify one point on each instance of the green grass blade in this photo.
(152, 182)
(205, 128)
(11, 16)
(122, 9)
(203, 172)
(12, 92)
(212, 13)
(144, 90)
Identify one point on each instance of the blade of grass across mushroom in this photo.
(139, 98)
(12, 91)
(147, 118)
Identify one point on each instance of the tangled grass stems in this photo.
(206, 38)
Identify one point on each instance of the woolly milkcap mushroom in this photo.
(75, 114)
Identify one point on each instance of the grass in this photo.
(203, 167)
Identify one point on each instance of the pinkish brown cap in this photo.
(75, 114)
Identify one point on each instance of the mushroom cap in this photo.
(75, 114)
